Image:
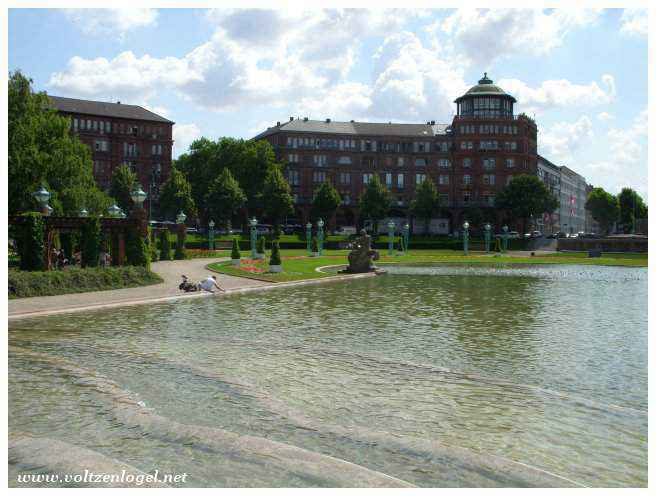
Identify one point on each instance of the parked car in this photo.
(513, 235)
(264, 228)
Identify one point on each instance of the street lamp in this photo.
(114, 210)
(49, 209)
(42, 196)
(390, 237)
(122, 215)
(138, 196)
(406, 237)
(308, 236)
(211, 235)
(465, 237)
(181, 218)
(488, 227)
(505, 238)
(253, 223)
(84, 212)
(320, 235)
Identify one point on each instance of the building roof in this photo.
(485, 88)
(548, 163)
(357, 128)
(105, 109)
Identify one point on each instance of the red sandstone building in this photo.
(469, 160)
(122, 134)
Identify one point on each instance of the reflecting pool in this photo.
(430, 376)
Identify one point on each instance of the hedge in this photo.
(32, 243)
(24, 284)
(164, 246)
(136, 249)
(90, 242)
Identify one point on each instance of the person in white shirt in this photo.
(209, 284)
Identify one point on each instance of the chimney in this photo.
(291, 119)
(118, 102)
(278, 124)
(327, 121)
(352, 120)
(305, 119)
(432, 123)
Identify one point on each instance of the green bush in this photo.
(136, 251)
(69, 241)
(261, 245)
(275, 254)
(164, 245)
(90, 242)
(32, 242)
(77, 280)
(235, 255)
(151, 244)
(315, 245)
(180, 247)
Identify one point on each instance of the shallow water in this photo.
(438, 376)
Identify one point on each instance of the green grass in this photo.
(295, 269)
(24, 284)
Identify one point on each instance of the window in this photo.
(101, 146)
(443, 199)
(344, 160)
(83, 124)
(489, 163)
(466, 162)
(445, 163)
(419, 178)
(510, 163)
(399, 181)
(510, 146)
(319, 160)
(466, 179)
(345, 178)
(488, 179)
(292, 158)
(346, 199)
(130, 150)
(466, 197)
(488, 199)
(508, 179)
(293, 177)
(400, 161)
(388, 179)
(366, 178)
(443, 179)
(318, 176)
(95, 125)
(420, 162)
(156, 149)
(442, 146)
(75, 124)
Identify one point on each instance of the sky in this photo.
(583, 74)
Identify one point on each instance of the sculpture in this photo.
(361, 256)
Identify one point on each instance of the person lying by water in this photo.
(187, 285)
(209, 284)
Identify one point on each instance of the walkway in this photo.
(170, 271)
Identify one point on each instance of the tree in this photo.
(375, 201)
(123, 181)
(176, 197)
(43, 152)
(603, 207)
(632, 207)
(525, 197)
(325, 202)
(224, 198)
(426, 202)
(277, 198)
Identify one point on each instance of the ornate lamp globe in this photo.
(138, 195)
(122, 215)
(320, 223)
(114, 210)
(466, 225)
(406, 227)
(391, 225)
(181, 217)
(211, 224)
(84, 212)
(488, 226)
(505, 228)
(253, 222)
(42, 196)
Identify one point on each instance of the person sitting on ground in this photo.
(209, 284)
(186, 285)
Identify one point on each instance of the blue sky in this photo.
(233, 72)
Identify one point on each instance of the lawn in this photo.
(297, 265)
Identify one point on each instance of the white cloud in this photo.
(183, 136)
(560, 93)
(484, 35)
(604, 116)
(563, 138)
(635, 22)
(101, 22)
(626, 144)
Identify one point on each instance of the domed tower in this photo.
(485, 100)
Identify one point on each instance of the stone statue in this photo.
(361, 256)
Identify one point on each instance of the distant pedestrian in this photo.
(209, 284)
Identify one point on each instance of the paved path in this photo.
(170, 271)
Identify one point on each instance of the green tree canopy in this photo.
(176, 197)
(603, 207)
(43, 152)
(325, 202)
(224, 198)
(375, 201)
(632, 207)
(525, 197)
(276, 197)
(426, 202)
(123, 181)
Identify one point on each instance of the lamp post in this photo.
(390, 237)
(488, 227)
(114, 210)
(253, 223)
(308, 236)
(138, 196)
(181, 218)
(465, 237)
(42, 196)
(320, 235)
(211, 235)
(406, 237)
(505, 238)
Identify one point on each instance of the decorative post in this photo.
(308, 237)
(406, 238)
(390, 237)
(465, 237)
(42, 196)
(488, 227)
(138, 197)
(114, 210)
(182, 234)
(505, 238)
(320, 236)
(84, 212)
(210, 239)
(253, 223)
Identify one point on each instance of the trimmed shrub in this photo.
(275, 254)
(315, 245)
(151, 244)
(90, 242)
(180, 247)
(235, 255)
(261, 245)
(32, 243)
(136, 251)
(68, 241)
(164, 245)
